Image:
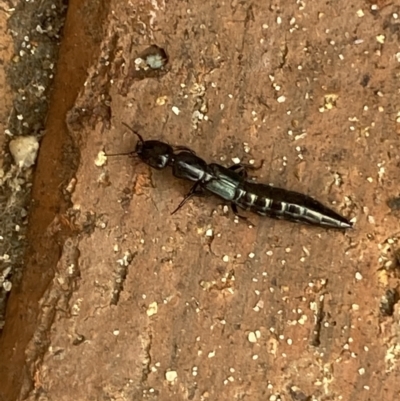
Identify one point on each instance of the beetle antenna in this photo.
(133, 131)
(131, 154)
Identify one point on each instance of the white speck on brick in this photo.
(381, 39)
(171, 375)
(302, 319)
(252, 337)
(175, 110)
(246, 147)
(152, 309)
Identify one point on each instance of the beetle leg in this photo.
(243, 218)
(196, 190)
(185, 148)
(242, 168)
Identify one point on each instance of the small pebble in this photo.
(252, 337)
(101, 159)
(175, 110)
(209, 232)
(24, 150)
(171, 375)
(152, 309)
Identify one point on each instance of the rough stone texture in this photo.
(145, 305)
(30, 35)
(5, 55)
(6, 52)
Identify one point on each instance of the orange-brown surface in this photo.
(144, 305)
